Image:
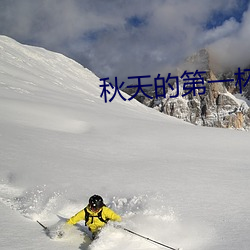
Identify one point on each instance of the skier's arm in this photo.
(110, 214)
(77, 217)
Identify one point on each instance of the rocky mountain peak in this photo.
(217, 107)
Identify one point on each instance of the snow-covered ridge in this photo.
(50, 67)
(33, 74)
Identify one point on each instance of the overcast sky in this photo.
(131, 37)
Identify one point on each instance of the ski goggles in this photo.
(94, 208)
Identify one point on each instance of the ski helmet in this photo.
(95, 202)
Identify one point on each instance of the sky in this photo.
(128, 38)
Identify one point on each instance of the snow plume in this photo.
(145, 214)
(36, 203)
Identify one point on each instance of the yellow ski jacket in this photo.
(94, 223)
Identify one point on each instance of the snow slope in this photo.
(176, 183)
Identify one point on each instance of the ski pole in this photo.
(45, 228)
(146, 238)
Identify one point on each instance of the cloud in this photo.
(121, 38)
(229, 27)
(232, 50)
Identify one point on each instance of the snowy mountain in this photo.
(179, 184)
(219, 106)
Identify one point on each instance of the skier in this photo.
(95, 214)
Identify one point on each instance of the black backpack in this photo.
(88, 216)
